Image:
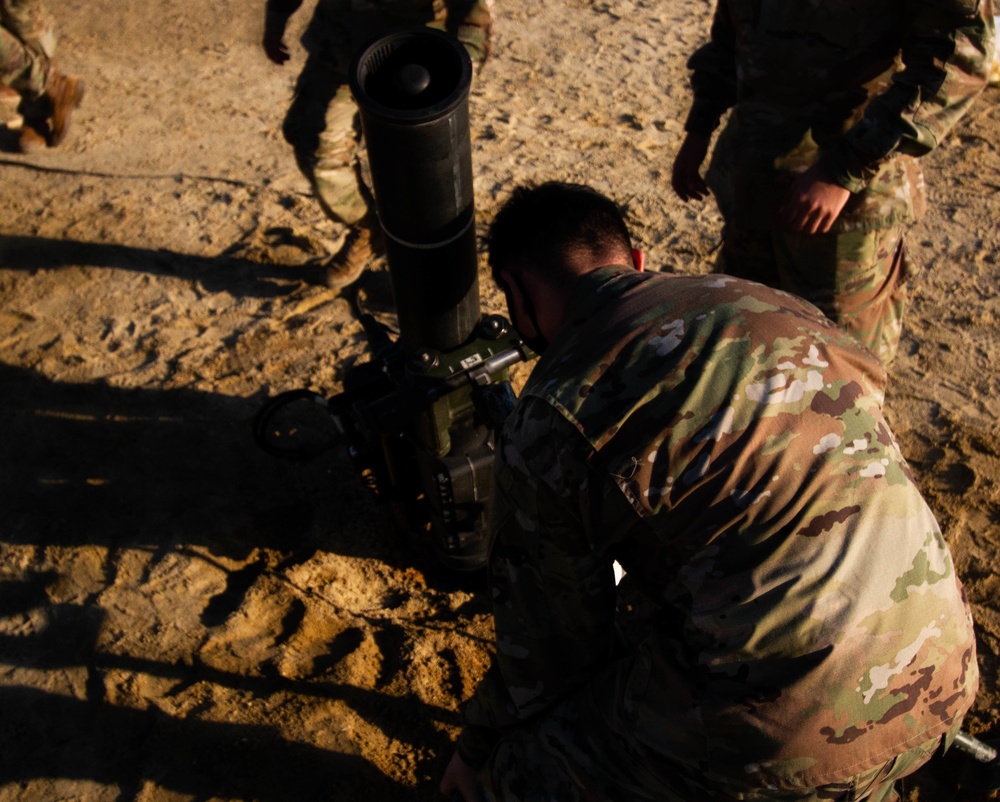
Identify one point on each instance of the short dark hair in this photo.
(539, 227)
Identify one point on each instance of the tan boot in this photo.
(64, 93)
(31, 139)
(351, 260)
(9, 101)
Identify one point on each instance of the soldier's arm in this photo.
(713, 75)
(713, 83)
(276, 16)
(283, 8)
(946, 56)
(553, 595)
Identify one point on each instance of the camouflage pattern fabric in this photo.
(790, 625)
(862, 87)
(858, 278)
(568, 757)
(27, 44)
(322, 123)
(827, 83)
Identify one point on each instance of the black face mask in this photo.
(538, 343)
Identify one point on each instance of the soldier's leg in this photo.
(321, 122)
(305, 119)
(858, 279)
(573, 755)
(469, 21)
(748, 254)
(322, 127)
(27, 44)
(877, 784)
(335, 170)
(341, 192)
(31, 22)
(23, 67)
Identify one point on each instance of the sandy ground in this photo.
(183, 617)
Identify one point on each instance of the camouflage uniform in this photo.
(825, 82)
(321, 123)
(790, 625)
(27, 44)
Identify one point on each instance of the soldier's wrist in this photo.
(842, 166)
(702, 121)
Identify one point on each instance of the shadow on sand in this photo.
(163, 471)
(226, 273)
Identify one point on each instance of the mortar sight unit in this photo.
(419, 418)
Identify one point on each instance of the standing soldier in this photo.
(322, 125)
(48, 98)
(816, 171)
(790, 625)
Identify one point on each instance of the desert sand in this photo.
(184, 617)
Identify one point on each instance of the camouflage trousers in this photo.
(858, 279)
(27, 43)
(322, 122)
(572, 755)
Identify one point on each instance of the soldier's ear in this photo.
(518, 304)
(639, 259)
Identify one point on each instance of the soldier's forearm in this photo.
(281, 10)
(713, 76)
(946, 58)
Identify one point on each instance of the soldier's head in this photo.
(557, 230)
(542, 239)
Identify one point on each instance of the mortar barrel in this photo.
(412, 90)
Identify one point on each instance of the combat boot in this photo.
(31, 138)
(64, 94)
(10, 99)
(351, 260)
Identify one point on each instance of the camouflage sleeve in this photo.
(713, 75)
(553, 595)
(946, 57)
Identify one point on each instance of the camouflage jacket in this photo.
(794, 613)
(862, 86)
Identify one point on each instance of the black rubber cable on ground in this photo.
(178, 177)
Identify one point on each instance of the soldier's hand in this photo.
(813, 203)
(275, 48)
(686, 178)
(459, 781)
